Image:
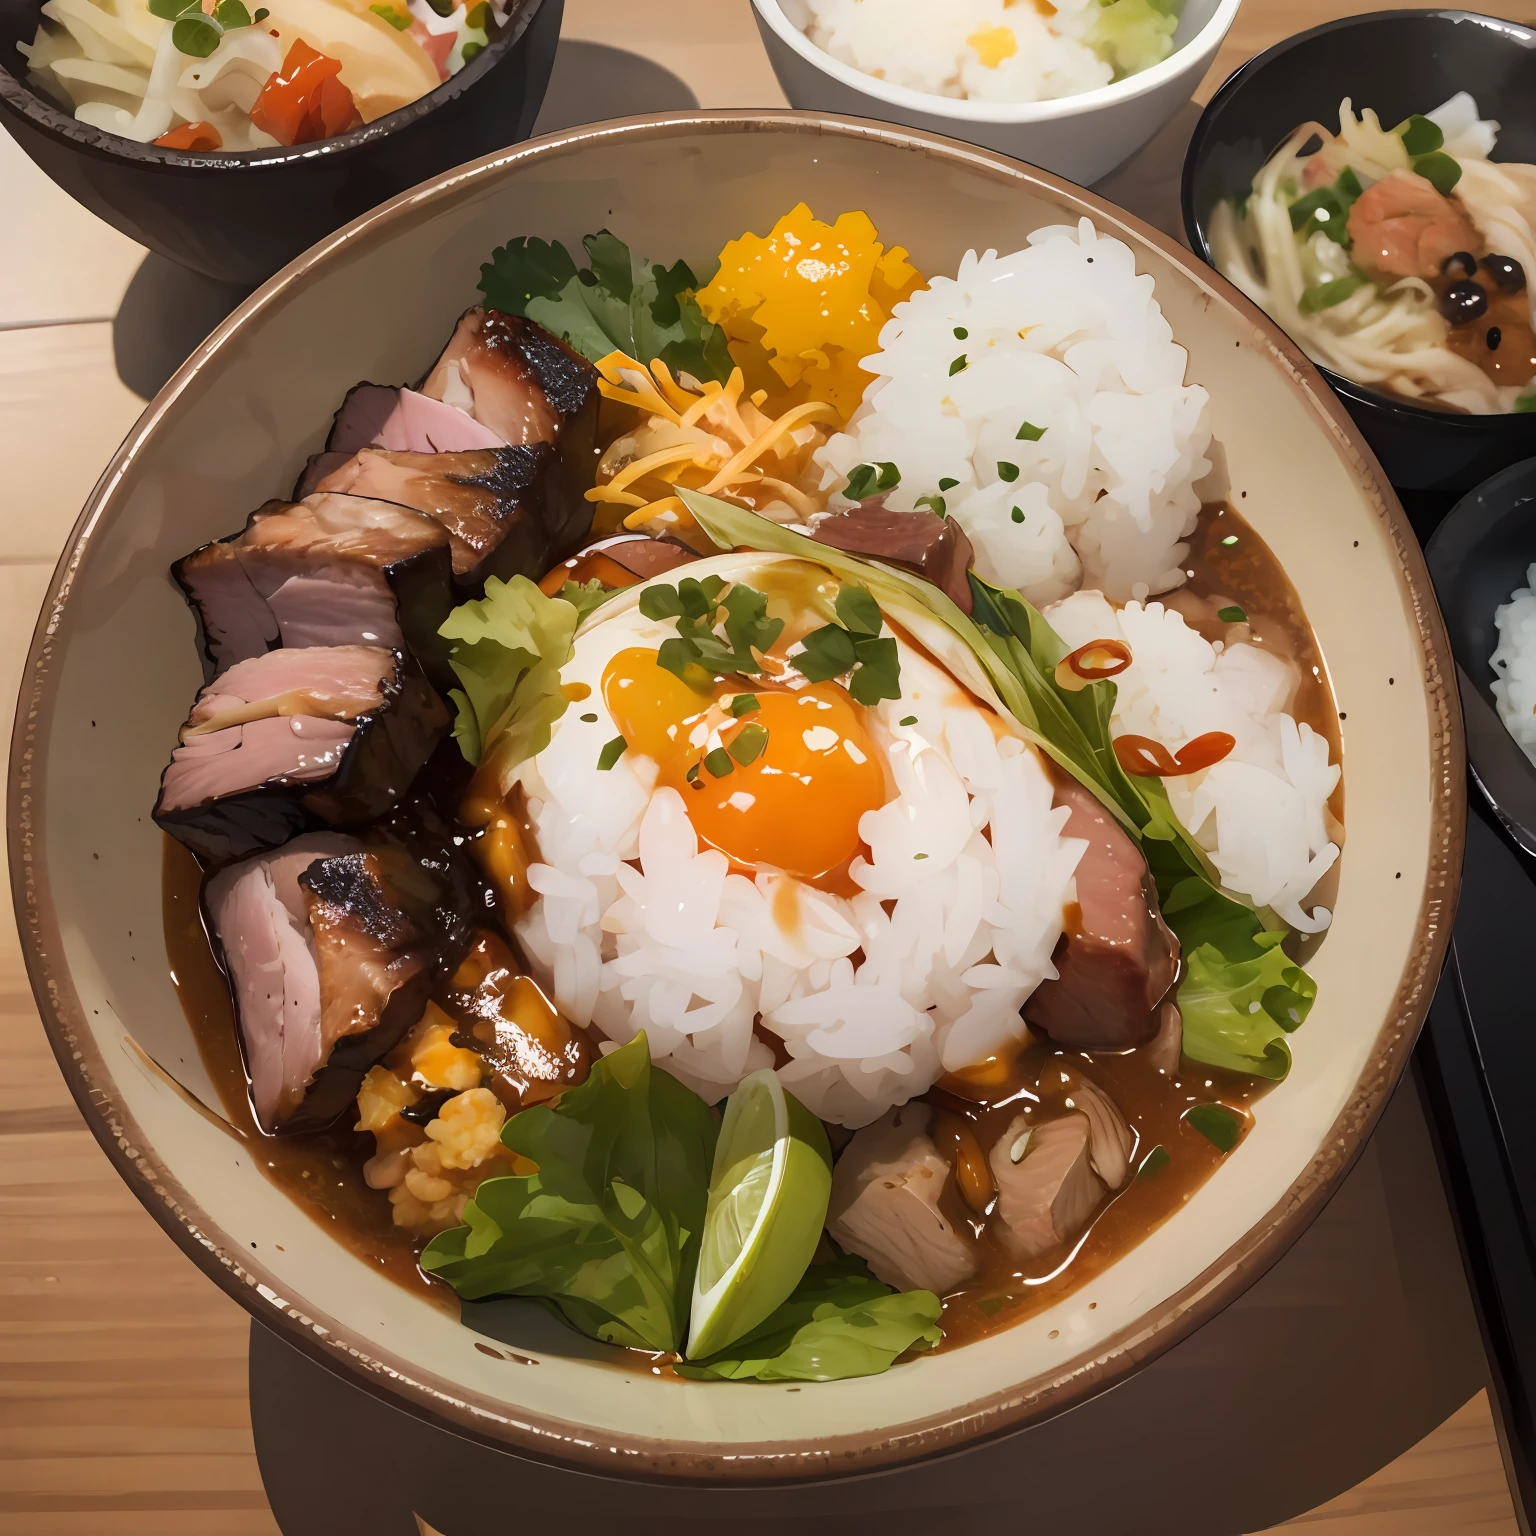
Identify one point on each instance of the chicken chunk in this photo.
(886, 1189)
(1046, 1187)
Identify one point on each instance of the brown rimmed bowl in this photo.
(113, 663)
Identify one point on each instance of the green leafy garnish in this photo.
(748, 744)
(948, 484)
(839, 1322)
(1232, 615)
(961, 333)
(1029, 433)
(608, 1228)
(700, 653)
(471, 50)
(1006, 471)
(611, 753)
(909, 720)
(1217, 1124)
(935, 504)
(1154, 1162)
(1419, 134)
(865, 480)
(194, 32)
(584, 596)
(1017, 514)
(1439, 170)
(511, 646)
(1326, 295)
(620, 302)
(958, 366)
(853, 646)
(399, 20)
(719, 763)
(745, 704)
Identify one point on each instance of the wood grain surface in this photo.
(123, 1404)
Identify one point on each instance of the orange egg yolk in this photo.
(796, 807)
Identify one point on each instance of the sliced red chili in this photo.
(1148, 759)
(1092, 663)
(191, 136)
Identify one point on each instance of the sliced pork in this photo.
(331, 944)
(508, 511)
(1046, 1187)
(1117, 960)
(885, 1206)
(296, 739)
(405, 421)
(330, 570)
(930, 546)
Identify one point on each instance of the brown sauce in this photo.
(1228, 565)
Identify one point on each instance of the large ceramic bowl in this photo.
(113, 664)
(239, 217)
(1082, 137)
(1398, 62)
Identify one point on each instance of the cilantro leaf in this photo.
(511, 646)
(697, 608)
(608, 1227)
(878, 674)
(859, 611)
(618, 302)
(828, 653)
(838, 1322)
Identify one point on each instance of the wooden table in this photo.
(123, 1403)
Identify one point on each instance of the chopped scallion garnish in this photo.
(611, 753)
(958, 366)
(719, 762)
(748, 744)
(1232, 615)
(1007, 471)
(744, 704)
(1030, 433)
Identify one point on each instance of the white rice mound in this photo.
(637, 928)
(1066, 336)
(1261, 812)
(928, 47)
(1514, 690)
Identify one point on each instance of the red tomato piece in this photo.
(191, 136)
(304, 100)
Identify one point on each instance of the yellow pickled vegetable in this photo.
(807, 301)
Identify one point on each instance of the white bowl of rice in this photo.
(1044, 83)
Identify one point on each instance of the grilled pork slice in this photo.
(330, 570)
(506, 509)
(886, 1189)
(930, 546)
(1046, 1186)
(331, 945)
(1117, 960)
(404, 420)
(521, 381)
(295, 739)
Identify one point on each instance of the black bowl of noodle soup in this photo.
(1402, 65)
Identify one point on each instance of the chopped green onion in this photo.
(590, 719)
(1419, 134)
(909, 720)
(961, 333)
(1017, 514)
(744, 704)
(958, 366)
(919, 855)
(748, 744)
(399, 20)
(693, 777)
(1232, 615)
(611, 753)
(1029, 433)
(470, 50)
(1326, 295)
(1439, 170)
(1154, 1162)
(1229, 541)
(947, 484)
(1217, 1124)
(1006, 471)
(719, 762)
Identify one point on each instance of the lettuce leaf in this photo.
(620, 302)
(608, 1228)
(510, 647)
(1232, 961)
(839, 1322)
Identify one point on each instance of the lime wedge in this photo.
(768, 1198)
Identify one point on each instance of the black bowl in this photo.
(239, 217)
(1398, 62)
(1478, 556)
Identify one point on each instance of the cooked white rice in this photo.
(987, 50)
(1261, 812)
(637, 928)
(1515, 661)
(1067, 337)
